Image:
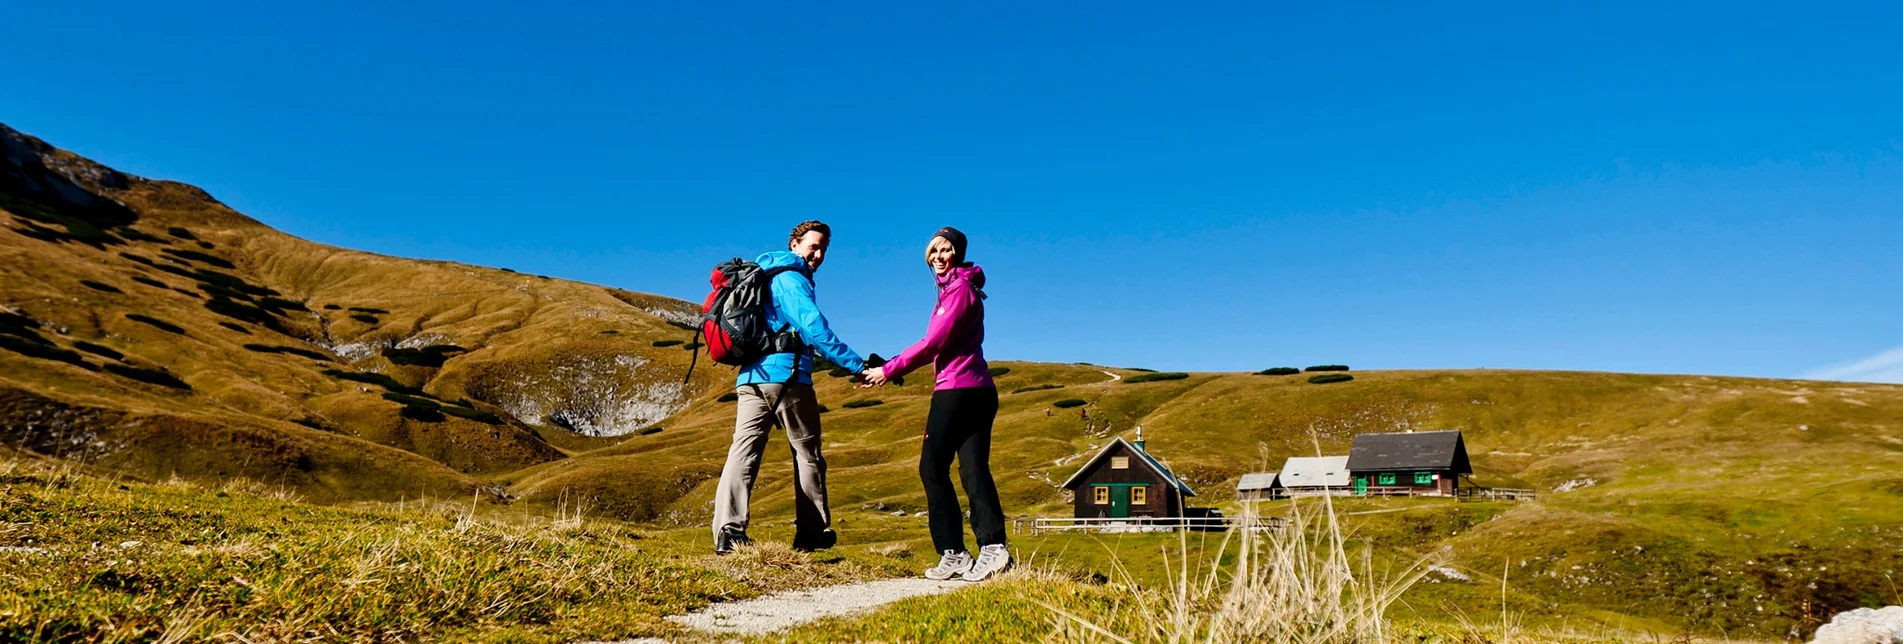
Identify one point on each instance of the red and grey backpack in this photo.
(733, 320)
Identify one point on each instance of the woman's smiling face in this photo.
(938, 255)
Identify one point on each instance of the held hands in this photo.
(873, 377)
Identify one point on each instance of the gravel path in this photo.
(1113, 377)
(792, 608)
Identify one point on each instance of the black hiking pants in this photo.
(960, 425)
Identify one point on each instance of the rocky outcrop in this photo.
(1863, 626)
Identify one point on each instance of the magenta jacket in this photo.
(954, 341)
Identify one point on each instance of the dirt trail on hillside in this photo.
(781, 611)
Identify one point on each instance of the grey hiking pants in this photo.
(754, 417)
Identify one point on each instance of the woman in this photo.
(964, 403)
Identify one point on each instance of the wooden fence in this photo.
(1153, 524)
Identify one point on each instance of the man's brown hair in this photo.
(806, 227)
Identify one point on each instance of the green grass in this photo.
(1155, 377)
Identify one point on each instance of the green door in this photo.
(1120, 502)
(1361, 486)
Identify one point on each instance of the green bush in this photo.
(1278, 371)
(839, 372)
(199, 257)
(431, 356)
(151, 376)
(240, 312)
(1328, 367)
(206, 245)
(377, 379)
(1068, 403)
(333, 307)
(42, 350)
(234, 326)
(423, 414)
(857, 404)
(1153, 377)
(1322, 379)
(998, 371)
(648, 431)
(97, 286)
(135, 234)
(728, 397)
(692, 346)
(1041, 387)
(10, 320)
(660, 343)
(149, 281)
(477, 415)
(98, 350)
(370, 310)
(296, 351)
(1139, 369)
(280, 304)
(366, 319)
(168, 327)
(180, 233)
(189, 293)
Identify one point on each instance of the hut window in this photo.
(1384, 479)
(1140, 495)
(1423, 478)
(1119, 462)
(1100, 495)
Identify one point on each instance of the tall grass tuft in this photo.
(1292, 579)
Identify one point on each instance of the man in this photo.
(777, 389)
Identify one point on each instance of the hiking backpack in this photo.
(733, 320)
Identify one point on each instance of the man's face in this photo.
(812, 248)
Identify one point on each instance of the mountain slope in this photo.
(153, 329)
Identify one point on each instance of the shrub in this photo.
(431, 356)
(1328, 367)
(241, 312)
(1153, 377)
(188, 293)
(1041, 387)
(1068, 403)
(135, 234)
(97, 286)
(377, 379)
(199, 257)
(1278, 371)
(1322, 379)
(423, 414)
(822, 364)
(1139, 369)
(660, 343)
(234, 326)
(728, 397)
(647, 431)
(857, 404)
(98, 350)
(280, 304)
(366, 319)
(998, 371)
(205, 245)
(150, 376)
(180, 233)
(610, 332)
(16, 321)
(267, 348)
(839, 372)
(332, 307)
(161, 324)
(42, 350)
(477, 415)
(366, 309)
(691, 346)
(406, 399)
(150, 282)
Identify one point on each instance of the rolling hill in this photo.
(152, 332)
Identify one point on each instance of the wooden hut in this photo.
(1409, 463)
(1316, 476)
(1125, 481)
(1260, 486)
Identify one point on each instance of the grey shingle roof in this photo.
(1145, 457)
(1442, 450)
(1256, 481)
(1315, 471)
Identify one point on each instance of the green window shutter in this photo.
(1385, 479)
(1423, 478)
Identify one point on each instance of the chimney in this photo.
(1139, 442)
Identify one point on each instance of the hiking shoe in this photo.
(992, 560)
(727, 540)
(819, 541)
(951, 564)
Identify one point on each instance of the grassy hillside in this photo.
(152, 329)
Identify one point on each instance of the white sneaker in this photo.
(950, 564)
(992, 560)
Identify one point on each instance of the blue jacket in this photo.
(795, 308)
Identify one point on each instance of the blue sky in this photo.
(1692, 188)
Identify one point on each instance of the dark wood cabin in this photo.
(1408, 464)
(1124, 481)
(1260, 486)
